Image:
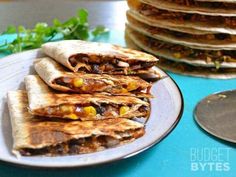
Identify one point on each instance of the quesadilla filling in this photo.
(155, 13)
(90, 85)
(194, 3)
(94, 112)
(179, 51)
(155, 30)
(85, 145)
(217, 36)
(182, 67)
(103, 64)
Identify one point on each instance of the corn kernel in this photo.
(90, 110)
(132, 86)
(71, 116)
(78, 82)
(177, 54)
(67, 108)
(123, 90)
(123, 110)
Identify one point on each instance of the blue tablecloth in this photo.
(175, 155)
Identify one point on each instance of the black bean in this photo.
(73, 62)
(100, 109)
(59, 81)
(59, 149)
(145, 99)
(74, 149)
(109, 67)
(96, 69)
(179, 34)
(147, 65)
(143, 109)
(221, 36)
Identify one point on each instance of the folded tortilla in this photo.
(209, 7)
(45, 102)
(152, 23)
(57, 78)
(190, 70)
(38, 136)
(153, 14)
(93, 57)
(215, 41)
(183, 67)
(179, 53)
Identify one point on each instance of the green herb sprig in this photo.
(74, 28)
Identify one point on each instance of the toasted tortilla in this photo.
(43, 101)
(57, 78)
(161, 17)
(152, 23)
(169, 51)
(216, 8)
(184, 68)
(98, 58)
(39, 136)
(209, 42)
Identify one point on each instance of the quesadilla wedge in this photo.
(179, 53)
(213, 8)
(215, 41)
(38, 136)
(56, 77)
(152, 23)
(190, 70)
(98, 58)
(186, 69)
(44, 102)
(179, 19)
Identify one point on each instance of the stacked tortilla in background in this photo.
(193, 37)
(84, 106)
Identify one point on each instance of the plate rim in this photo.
(151, 145)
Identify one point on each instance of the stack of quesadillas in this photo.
(193, 37)
(84, 99)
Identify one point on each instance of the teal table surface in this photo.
(187, 151)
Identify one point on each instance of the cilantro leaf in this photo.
(97, 31)
(74, 28)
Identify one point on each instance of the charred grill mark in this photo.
(39, 133)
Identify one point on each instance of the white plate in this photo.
(167, 107)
